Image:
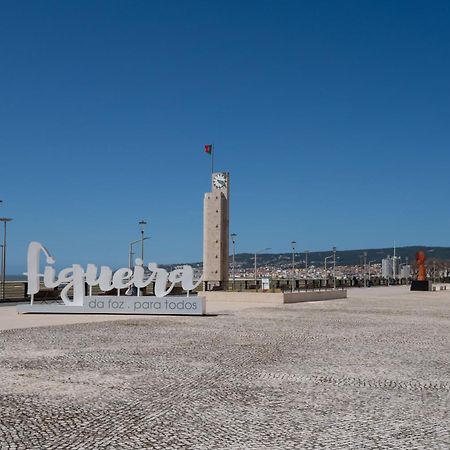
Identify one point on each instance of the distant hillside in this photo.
(344, 257)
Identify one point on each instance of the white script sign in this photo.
(75, 277)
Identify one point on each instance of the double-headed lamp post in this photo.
(5, 220)
(259, 251)
(142, 223)
(293, 264)
(233, 241)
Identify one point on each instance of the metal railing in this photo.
(14, 290)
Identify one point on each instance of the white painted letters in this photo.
(75, 277)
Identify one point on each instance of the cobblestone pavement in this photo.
(370, 372)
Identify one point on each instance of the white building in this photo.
(391, 268)
(405, 271)
(386, 267)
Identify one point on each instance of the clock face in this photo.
(220, 181)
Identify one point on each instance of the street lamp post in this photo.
(130, 260)
(334, 267)
(142, 223)
(293, 265)
(233, 240)
(365, 268)
(326, 273)
(306, 259)
(256, 277)
(327, 258)
(130, 253)
(5, 220)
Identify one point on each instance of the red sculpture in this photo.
(420, 260)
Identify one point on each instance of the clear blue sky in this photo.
(332, 117)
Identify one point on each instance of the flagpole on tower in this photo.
(209, 149)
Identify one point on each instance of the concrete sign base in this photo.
(104, 304)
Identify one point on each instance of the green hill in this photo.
(344, 257)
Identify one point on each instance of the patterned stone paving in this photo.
(364, 373)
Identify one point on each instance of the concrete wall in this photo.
(314, 296)
(247, 297)
(269, 298)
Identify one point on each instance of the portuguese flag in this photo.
(208, 149)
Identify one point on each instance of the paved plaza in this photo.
(368, 372)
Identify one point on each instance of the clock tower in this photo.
(216, 232)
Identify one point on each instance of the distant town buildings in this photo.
(383, 269)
